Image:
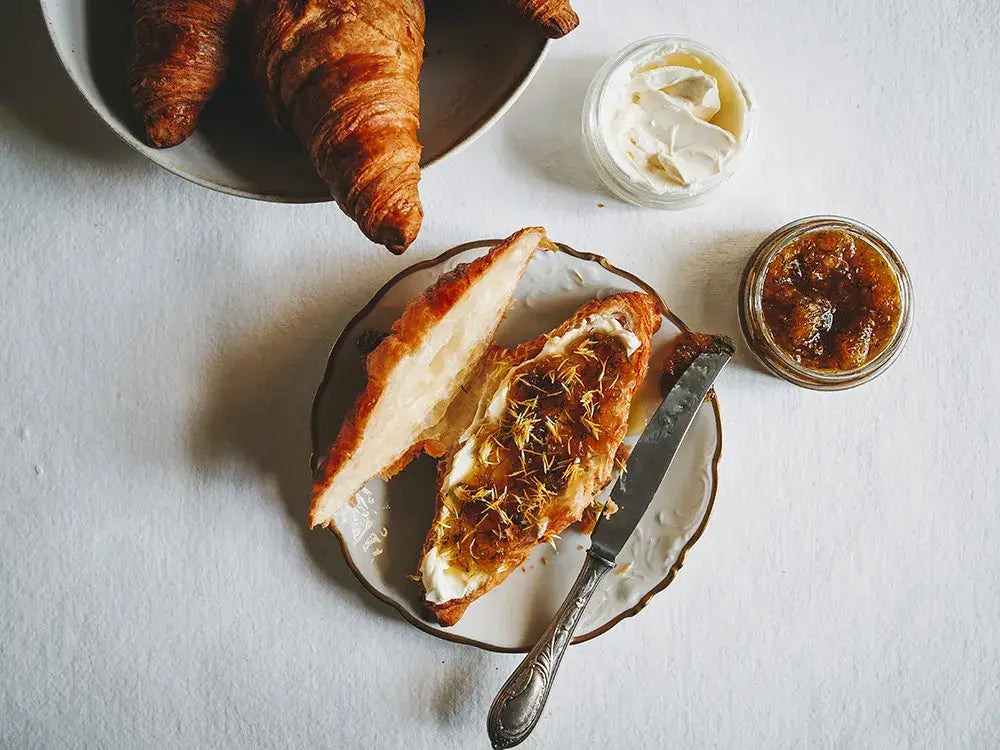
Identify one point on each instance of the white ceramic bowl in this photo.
(478, 60)
(382, 532)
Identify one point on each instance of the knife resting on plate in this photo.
(519, 704)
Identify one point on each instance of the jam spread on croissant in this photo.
(831, 301)
(550, 426)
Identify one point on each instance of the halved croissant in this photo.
(416, 372)
(343, 75)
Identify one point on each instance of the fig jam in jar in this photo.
(826, 303)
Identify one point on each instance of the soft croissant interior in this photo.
(413, 393)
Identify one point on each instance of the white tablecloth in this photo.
(159, 346)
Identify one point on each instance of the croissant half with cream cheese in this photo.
(342, 75)
(546, 438)
(179, 56)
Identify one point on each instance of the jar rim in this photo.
(612, 175)
(758, 336)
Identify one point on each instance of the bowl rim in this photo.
(314, 420)
(96, 104)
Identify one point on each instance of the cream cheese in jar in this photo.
(667, 121)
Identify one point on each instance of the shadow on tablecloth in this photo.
(258, 402)
(714, 272)
(544, 126)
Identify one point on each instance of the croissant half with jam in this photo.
(342, 75)
(545, 440)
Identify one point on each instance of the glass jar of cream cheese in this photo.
(666, 121)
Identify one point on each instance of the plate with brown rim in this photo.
(382, 531)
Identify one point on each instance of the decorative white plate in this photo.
(478, 59)
(383, 532)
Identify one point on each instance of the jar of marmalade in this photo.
(826, 303)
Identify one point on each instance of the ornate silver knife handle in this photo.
(519, 704)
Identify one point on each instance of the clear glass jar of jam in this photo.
(826, 303)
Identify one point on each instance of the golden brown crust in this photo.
(342, 75)
(555, 18)
(449, 613)
(643, 316)
(406, 337)
(179, 57)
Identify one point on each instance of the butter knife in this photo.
(518, 705)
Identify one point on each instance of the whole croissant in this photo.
(342, 75)
(180, 52)
(554, 17)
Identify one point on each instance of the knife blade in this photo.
(653, 453)
(518, 706)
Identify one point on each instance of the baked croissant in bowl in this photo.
(179, 56)
(555, 18)
(343, 76)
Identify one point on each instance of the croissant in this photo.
(342, 75)
(179, 57)
(416, 374)
(554, 17)
(544, 441)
